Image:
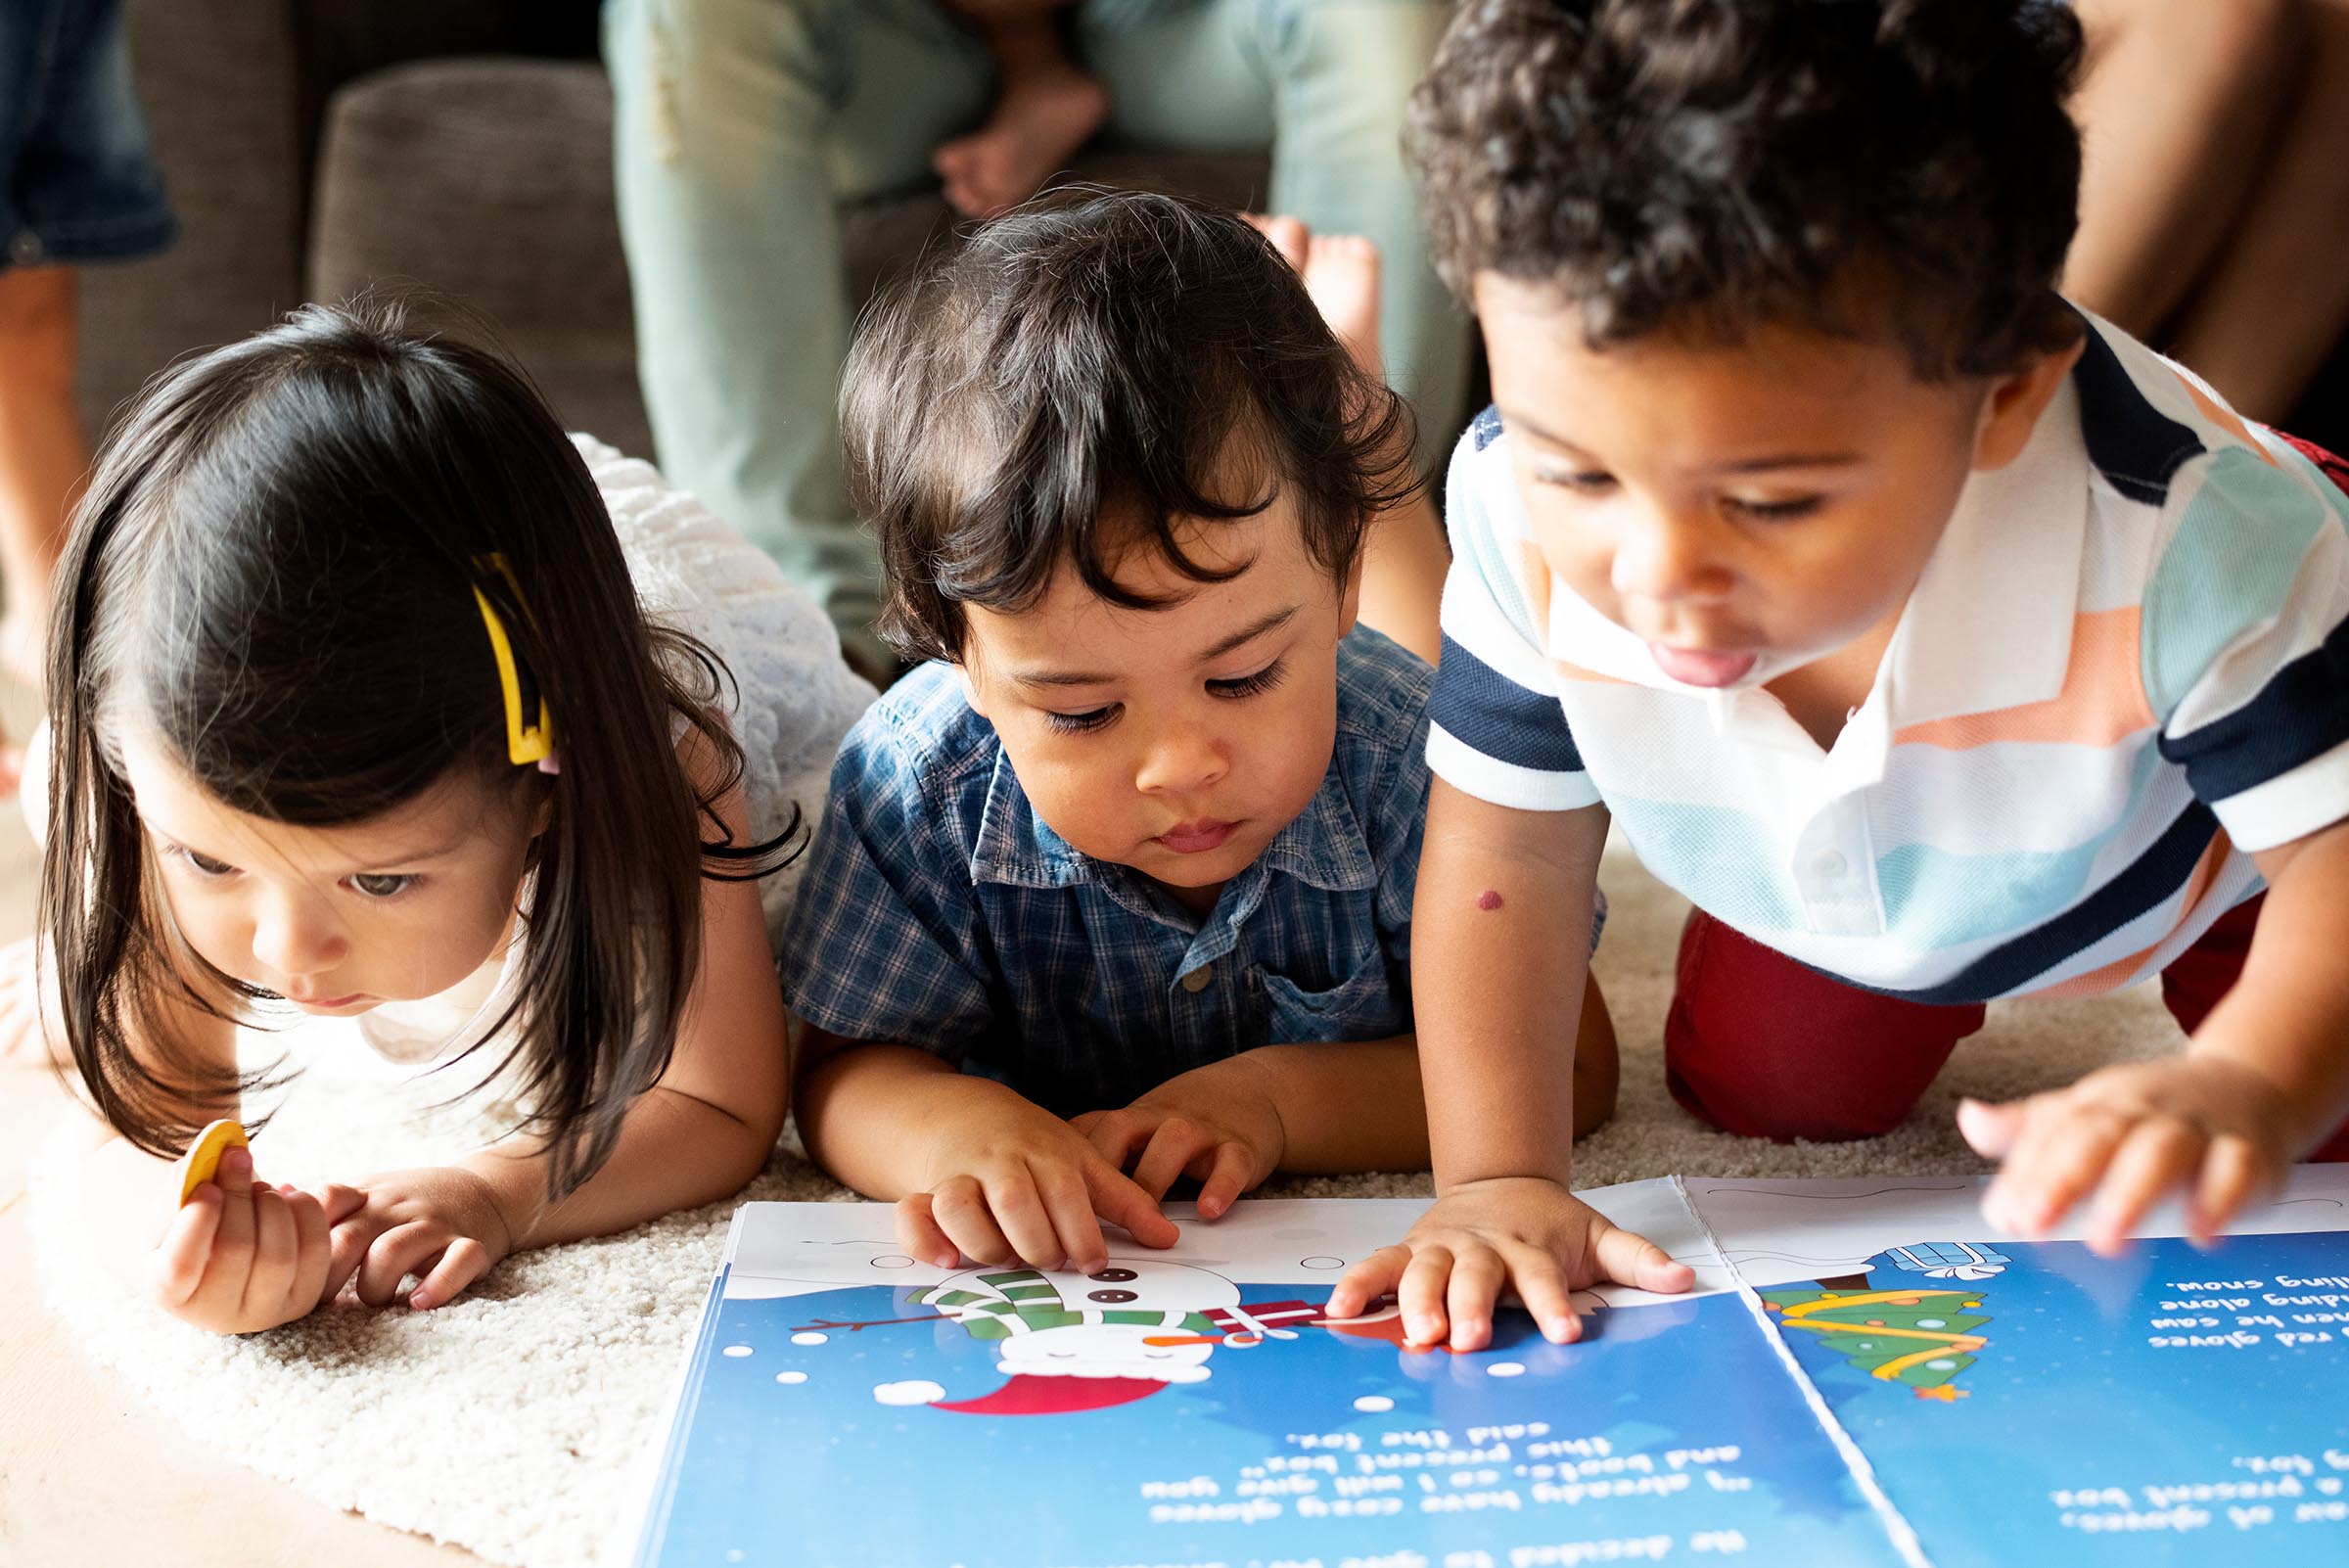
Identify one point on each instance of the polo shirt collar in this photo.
(1323, 846)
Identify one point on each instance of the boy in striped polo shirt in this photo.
(1939, 642)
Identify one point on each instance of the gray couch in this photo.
(314, 147)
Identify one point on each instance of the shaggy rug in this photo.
(516, 1422)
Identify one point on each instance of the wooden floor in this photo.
(88, 1475)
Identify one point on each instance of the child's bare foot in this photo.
(1044, 113)
(1340, 273)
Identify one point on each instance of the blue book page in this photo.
(2033, 1404)
(1197, 1408)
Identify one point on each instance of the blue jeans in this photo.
(744, 124)
(75, 184)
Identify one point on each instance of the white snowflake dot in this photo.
(1373, 1403)
(1941, 1366)
(738, 1350)
(811, 1337)
(1932, 1323)
(1505, 1370)
(790, 1377)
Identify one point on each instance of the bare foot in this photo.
(1340, 273)
(1044, 113)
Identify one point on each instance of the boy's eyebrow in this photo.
(1248, 633)
(1750, 465)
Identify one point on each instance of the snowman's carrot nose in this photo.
(1184, 1339)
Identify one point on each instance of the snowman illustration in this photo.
(1068, 1342)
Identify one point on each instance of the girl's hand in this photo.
(1449, 1270)
(441, 1223)
(1018, 1184)
(241, 1255)
(1218, 1124)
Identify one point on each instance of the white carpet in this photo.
(515, 1421)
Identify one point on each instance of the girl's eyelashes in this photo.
(1079, 724)
(383, 884)
(202, 865)
(1263, 680)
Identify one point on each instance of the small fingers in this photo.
(919, 1232)
(313, 1251)
(1232, 1174)
(959, 1206)
(1172, 1147)
(181, 1257)
(1368, 1280)
(2233, 1172)
(1020, 1212)
(1421, 1293)
(392, 1257)
(2157, 1157)
(1069, 1206)
(1477, 1277)
(2060, 1157)
(1542, 1286)
(1116, 1198)
(1631, 1258)
(1990, 1129)
(269, 1282)
(464, 1261)
(1114, 1135)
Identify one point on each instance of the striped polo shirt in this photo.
(2124, 669)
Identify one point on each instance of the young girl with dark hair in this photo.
(368, 701)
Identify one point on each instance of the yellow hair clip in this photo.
(525, 743)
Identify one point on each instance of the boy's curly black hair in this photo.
(1075, 379)
(1897, 169)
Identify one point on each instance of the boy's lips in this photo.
(1692, 668)
(1196, 838)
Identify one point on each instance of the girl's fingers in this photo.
(346, 1251)
(919, 1234)
(1476, 1276)
(2154, 1158)
(313, 1249)
(1069, 1206)
(341, 1202)
(1231, 1175)
(464, 1261)
(962, 1212)
(1368, 1280)
(271, 1277)
(181, 1256)
(1420, 1294)
(392, 1257)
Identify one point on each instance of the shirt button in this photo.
(1196, 981)
(1830, 863)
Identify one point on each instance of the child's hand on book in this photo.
(1449, 1270)
(442, 1224)
(1018, 1184)
(1218, 1125)
(2200, 1124)
(242, 1255)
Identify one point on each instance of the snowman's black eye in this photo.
(1113, 1277)
(1109, 1298)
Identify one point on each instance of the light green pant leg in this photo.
(1325, 83)
(740, 127)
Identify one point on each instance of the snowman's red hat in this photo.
(1027, 1394)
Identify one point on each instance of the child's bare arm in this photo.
(1499, 943)
(974, 1167)
(2263, 1079)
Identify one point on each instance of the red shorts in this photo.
(1759, 1045)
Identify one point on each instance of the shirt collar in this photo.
(1323, 844)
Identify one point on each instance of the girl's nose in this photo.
(293, 939)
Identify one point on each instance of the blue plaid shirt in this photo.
(940, 911)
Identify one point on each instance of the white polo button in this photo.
(1830, 863)
(1196, 981)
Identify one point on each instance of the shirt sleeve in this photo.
(884, 939)
(2245, 645)
(1395, 840)
(1495, 728)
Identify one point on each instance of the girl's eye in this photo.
(383, 884)
(1776, 511)
(1261, 681)
(204, 864)
(1582, 482)
(1080, 724)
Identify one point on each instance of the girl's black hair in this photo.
(273, 572)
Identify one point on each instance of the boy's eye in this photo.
(383, 884)
(1079, 724)
(1582, 482)
(1263, 681)
(1774, 511)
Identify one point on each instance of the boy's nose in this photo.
(1179, 760)
(1668, 559)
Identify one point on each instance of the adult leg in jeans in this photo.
(1324, 83)
(741, 126)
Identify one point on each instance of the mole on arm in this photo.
(1488, 900)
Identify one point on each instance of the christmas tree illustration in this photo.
(1920, 1336)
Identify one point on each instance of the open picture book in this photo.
(1858, 1377)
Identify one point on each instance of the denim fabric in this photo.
(75, 183)
(940, 911)
(741, 126)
